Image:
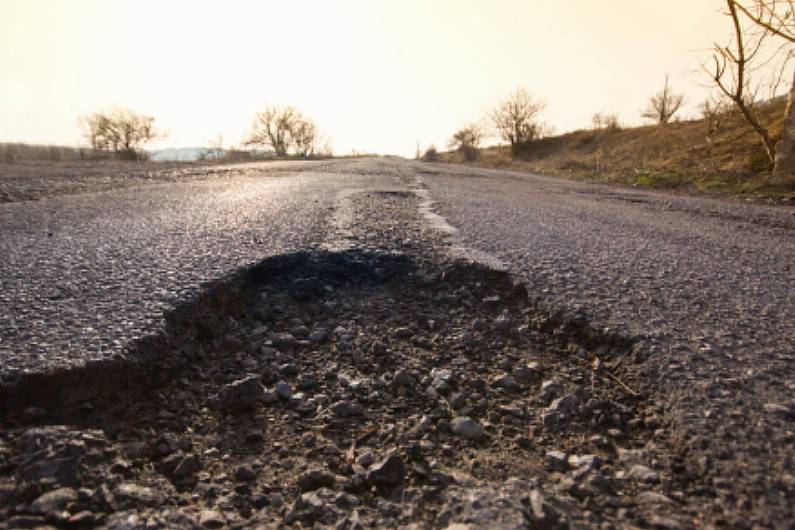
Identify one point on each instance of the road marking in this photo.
(438, 222)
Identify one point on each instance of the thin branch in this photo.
(766, 24)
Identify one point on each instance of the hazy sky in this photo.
(378, 76)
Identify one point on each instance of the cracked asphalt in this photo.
(81, 276)
(705, 287)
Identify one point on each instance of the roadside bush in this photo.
(605, 122)
(759, 162)
(467, 140)
(430, 155)
(122, 132)
(517, 120)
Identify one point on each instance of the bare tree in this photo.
(304, 134)
(120, 131)
(284, 129)
(516, 119)
(730, 70)
(608, 122)
(467, 140)
(777, 18)
(663, 105)
(272, 127)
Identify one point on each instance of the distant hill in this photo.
(177, 154)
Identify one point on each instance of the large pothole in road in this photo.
(352, 389)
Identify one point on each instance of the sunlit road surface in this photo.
(704, 288)
(82, 276)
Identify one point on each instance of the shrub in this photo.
(605, 122)
(466, 140)
(430, 155)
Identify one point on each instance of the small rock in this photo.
(642, 474)
(401, 332)
(458, 400)
(594, 482)
(615, 433)
(631, 456)
(541, 514)
(211, 519)
(130, 495)
(314, 479)
(189, 466)
(346, 409)
(584, 461)
(284, 390)
(652, 498)
(467, 428)
(550, 387)
(83, 519)
(550, 419)
(652, 422)
(389, 472)
(511, 410)
(506, 382)
(403, 378)
(268, 353)
(283, 340)
(441, 380)
(318, 336)
(557, 461)
(300, 331)
(241, 394)
(564, 405)
(245, 473)
(527, 372)
(503, 322)
(365, 459)
(54, 501)
(316, 505)
(664, 523)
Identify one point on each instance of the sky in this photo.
(376, 75)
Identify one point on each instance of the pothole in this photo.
(381, 386)
(351, 388)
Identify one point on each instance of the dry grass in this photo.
(683, 155)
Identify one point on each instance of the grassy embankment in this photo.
(685, 155)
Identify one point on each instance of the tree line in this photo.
(736, 70)
(283, 130)
(733, 68)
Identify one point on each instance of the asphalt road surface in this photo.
(705, 287)
(81, 276)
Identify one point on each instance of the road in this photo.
(81, 276)
(705, 287)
